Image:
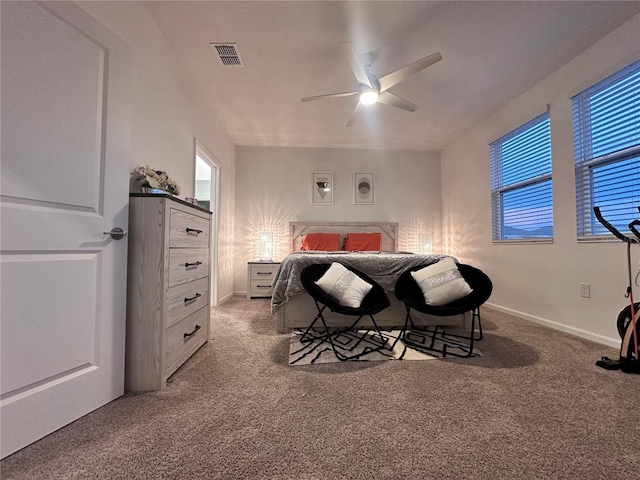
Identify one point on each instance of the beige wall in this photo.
(273, 188)
(165, 120)
(541, 282)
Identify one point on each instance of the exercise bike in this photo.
(628, 322)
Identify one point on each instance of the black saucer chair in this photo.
(374, 302)
(408, 292)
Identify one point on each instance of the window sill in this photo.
(523, 241)
(600, 239)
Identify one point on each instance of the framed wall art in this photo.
(322, 188)
(363, 188)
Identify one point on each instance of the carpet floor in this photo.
(534, 406)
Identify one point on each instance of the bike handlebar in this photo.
(613, 229)
(632, 227)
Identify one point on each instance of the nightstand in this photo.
(260, 275)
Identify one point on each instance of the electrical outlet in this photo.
(585, 290)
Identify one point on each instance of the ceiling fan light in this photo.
(369, 97)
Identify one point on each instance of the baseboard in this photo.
(241, 293)
(558, 326)
(225, 298)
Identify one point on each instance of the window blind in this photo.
(522, 201)
(606, 128)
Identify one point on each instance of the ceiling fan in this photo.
(373, 89)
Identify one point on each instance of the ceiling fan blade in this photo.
(399, 75)
(389, 98)
(353, 116)
(356, 66)
(330, 95)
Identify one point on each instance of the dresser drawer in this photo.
(185, 299)
(184, 335)
(263, 272)
(261, 288)
(187, 264)
(187, 230)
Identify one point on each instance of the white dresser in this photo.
(168, 288)
(260, 276)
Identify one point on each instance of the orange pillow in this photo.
(328, 242)
(363, 242)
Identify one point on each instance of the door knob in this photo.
(116, 233)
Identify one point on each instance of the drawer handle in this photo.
(263, 273)
(197, 295)
(263, 286)
(197, 232)
(192, 264)
(187, 335)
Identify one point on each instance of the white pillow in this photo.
(344, 286)
(441, 283)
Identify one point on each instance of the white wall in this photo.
(273, 188)
(541, 282)
(165, 122)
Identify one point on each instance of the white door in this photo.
(64, 181)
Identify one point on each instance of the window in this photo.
(521, 197)
(606, 130)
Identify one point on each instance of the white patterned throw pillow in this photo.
(344, 286)
(441, 283)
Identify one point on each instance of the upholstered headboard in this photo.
(388, 231)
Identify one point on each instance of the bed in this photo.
(295, 308)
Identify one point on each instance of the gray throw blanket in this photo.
(383, 267)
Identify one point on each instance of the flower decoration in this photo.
(148, 177)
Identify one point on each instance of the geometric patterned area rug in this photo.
(320, 351)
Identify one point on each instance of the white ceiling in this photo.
(492, 52)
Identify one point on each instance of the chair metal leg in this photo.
(350, 329)
(475, 313)
(328, 335)
(304, 338)
(433, 339)
(403, 331)
(382, 339)
(472, 336)
(367, 350)
(340, 356)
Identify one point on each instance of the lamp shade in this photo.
(266, 246)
